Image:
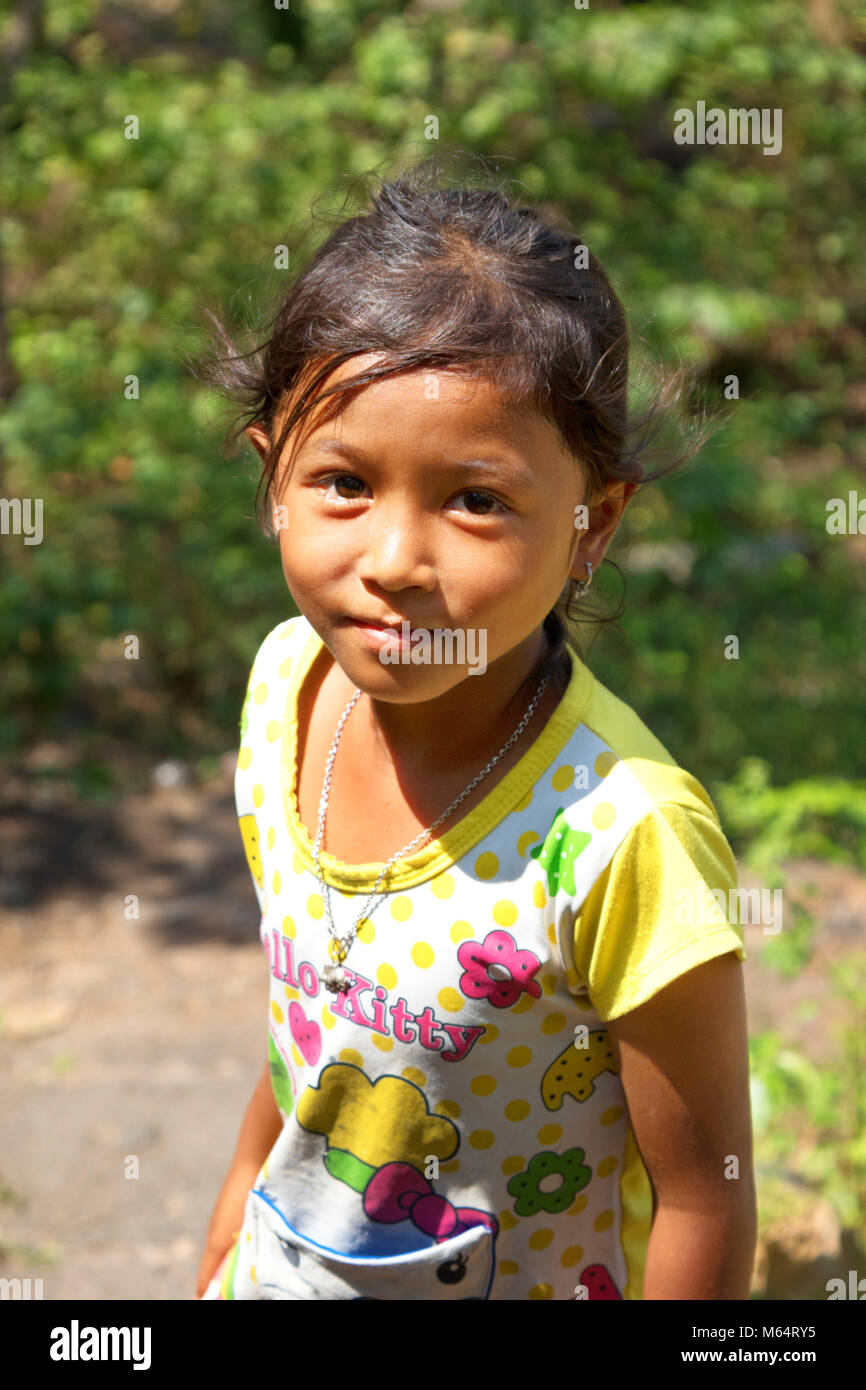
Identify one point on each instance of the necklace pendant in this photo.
(335, 979)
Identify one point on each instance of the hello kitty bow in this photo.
(398, 1192)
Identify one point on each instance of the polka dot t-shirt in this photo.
(454, 1124)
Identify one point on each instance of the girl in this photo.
(507, 1045)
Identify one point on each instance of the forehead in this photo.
(475, 403)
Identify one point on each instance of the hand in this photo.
(212, 1266)
(225, 1222)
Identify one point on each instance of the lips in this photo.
(383, 624)
(378, 622)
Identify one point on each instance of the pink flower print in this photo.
(494, 969)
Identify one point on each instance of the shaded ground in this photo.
(141, 1040)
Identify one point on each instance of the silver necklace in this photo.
(338, 947)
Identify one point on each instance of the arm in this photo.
(684, 1066)
(262, 1125)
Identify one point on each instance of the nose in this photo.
(397, 553)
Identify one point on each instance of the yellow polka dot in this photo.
(315, 906)
(604, 815)
(245, 757)
(486, 865)
(541, 1291)
(272, 835)
(298, 864)
(524, 1004)
(253, 1274)
(366, 931)
(383, 1044)
(328, 1018)
(603, 764)
(551, 935)
(507, 1220)
(249, 1235)
(291, 992)
(278, 882)
(514, 1164)
(572, 978)
(450, 1000)
(490, 1034)
(483, 1085)
(539, 1240)
(517, 1109)
(422, 955)
(613, 1114)
(401, 909)
(386, 975)
(519, 1056)
(449, 1108)
(505, 913)
(539, 897)
(571, 1256)
(260, 694)
(413, 1074)
(258, 794)
(461, 931)
(351, 1056)
(524, 801)
(607, 1166)
(548, 983)
(577, 1207)
(451, 1167)
(481, 1139)
(603, 1221)
(508, 1267)
(277, 1012)
(443, 886)
(288, 928)
(299, 1061)
(563, 778)
(273, 729)
(554, 1023)
(285, 667)
(549, 1134)
(525, 840)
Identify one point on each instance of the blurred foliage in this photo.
(728, 260)
(809, 1119)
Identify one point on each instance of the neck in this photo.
(465, 722)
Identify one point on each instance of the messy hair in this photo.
(465, 278)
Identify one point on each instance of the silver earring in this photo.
(581, 585)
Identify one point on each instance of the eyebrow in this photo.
(500, 468)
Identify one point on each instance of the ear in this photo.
(604, 517)
(259, 437)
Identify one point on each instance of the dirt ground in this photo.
(129, 1048)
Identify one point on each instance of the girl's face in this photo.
(431, 499)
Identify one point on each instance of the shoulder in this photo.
(645, 768)
(280, 645)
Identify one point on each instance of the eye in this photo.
(349, 481)
(483, 503)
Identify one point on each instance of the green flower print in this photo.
(556, 855)
(526, 1187)
(282, 1086)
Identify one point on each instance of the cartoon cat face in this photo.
(288, 1266)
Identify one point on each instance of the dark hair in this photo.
(462, 277)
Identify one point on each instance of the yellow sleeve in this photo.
(666, 902)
